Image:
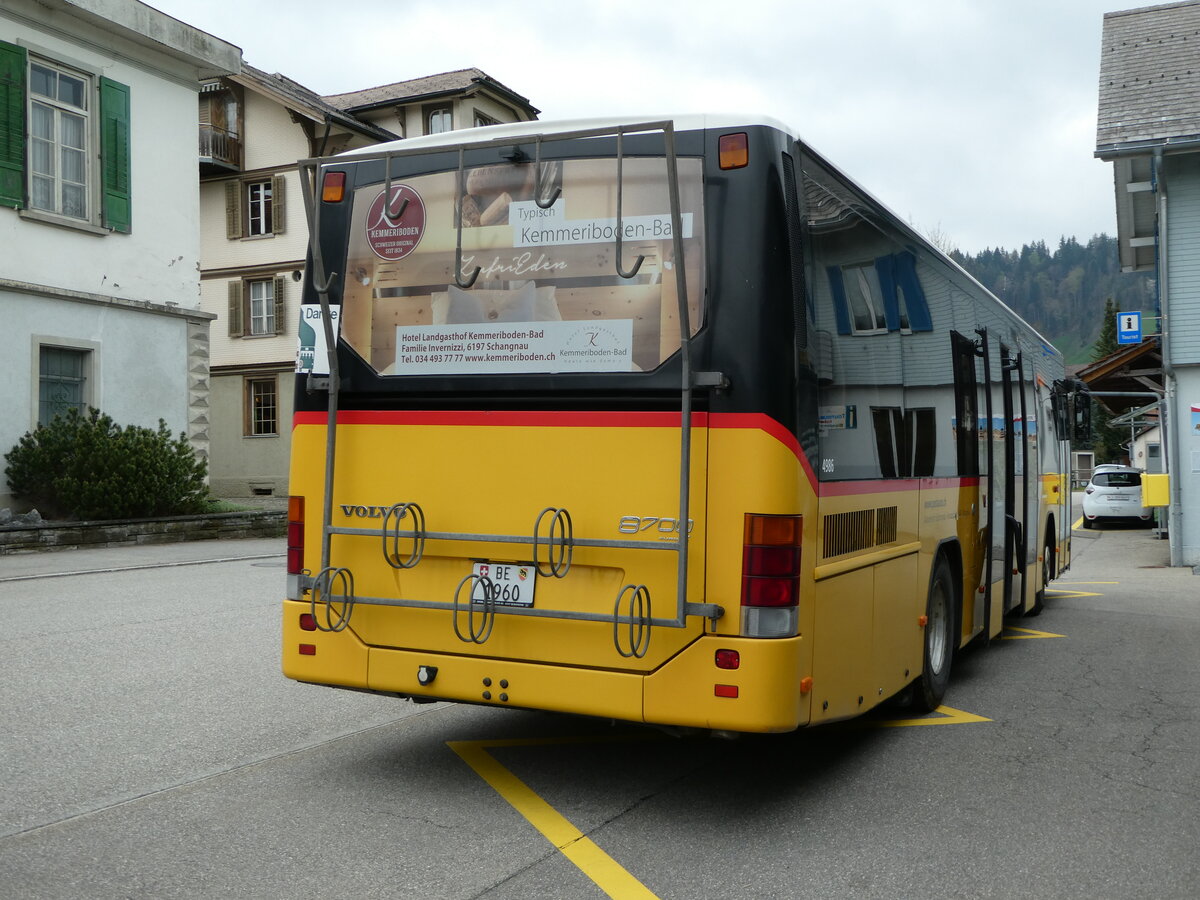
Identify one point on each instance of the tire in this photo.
(930, 687)
(1039, 600)
(1087, 523)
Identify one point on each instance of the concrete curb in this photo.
(167, 530)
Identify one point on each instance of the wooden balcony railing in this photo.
(219, 146)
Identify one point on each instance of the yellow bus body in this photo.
(860, 635)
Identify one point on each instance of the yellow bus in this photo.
(667, 422)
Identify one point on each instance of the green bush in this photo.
(88, 467)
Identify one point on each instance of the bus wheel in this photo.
(1039, 599)
(939, 640)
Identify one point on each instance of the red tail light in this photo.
(771, 560)
(295, 536)
(728, 659)
(771, 575)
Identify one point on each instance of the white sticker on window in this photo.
(517, 347)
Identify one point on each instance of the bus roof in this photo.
(510, 130)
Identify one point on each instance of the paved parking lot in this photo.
(152, 749)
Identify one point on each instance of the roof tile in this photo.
(1149, 75)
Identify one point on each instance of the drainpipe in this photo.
(1171, 447)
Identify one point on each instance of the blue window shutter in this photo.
(914, 295)
(114, 155)
(841, 308)
(12, 125)
(885, 269)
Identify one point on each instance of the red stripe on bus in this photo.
(562, 419)
(609, 419)
(769, 426)
(501, 417)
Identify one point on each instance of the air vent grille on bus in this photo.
(885, 525)
(862, 529)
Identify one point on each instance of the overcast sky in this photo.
(973, 119)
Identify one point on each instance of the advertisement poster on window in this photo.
(312, 352)
(525, 268)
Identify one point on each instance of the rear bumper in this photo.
(1117, 511)
(688, 690)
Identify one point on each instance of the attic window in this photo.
(439, 119)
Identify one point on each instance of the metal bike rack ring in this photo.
(558, 551)
(639, 621)
(488, 619)
(322, 590)
(400, 511)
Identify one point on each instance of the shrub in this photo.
(88, 467)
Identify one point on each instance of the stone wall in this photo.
(173, 529)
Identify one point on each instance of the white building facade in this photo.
(1148, 126)
(255, 127)
(254, 237)
(99, 212)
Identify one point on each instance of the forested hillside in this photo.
(1062, 293)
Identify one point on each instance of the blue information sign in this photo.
(1129, 328)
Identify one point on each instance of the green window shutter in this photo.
(233, 210)
(236, 307)
(278, 205)
(115, 155)
(12, 125)
(280, 305)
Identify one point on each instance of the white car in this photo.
(1114, 493)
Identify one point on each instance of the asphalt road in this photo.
(150, 748)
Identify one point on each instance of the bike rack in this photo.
(559, 539)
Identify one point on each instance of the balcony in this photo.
(220, 151)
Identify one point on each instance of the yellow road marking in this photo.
(943, 715)
(609, 875)
(1061, 592)
(1026, 634)
(604, 871)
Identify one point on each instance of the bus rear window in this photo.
(548, 296)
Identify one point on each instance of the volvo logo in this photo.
(365, 512)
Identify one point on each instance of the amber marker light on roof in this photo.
(333, 187)
(734, 150)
